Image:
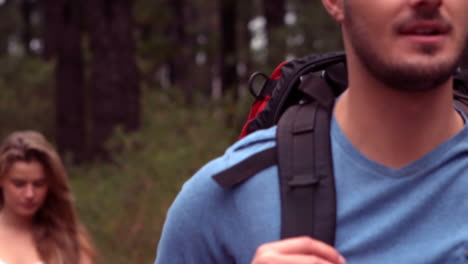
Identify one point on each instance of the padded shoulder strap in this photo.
(305, 166)
(461, 100)
(303, 155)
(244, 170)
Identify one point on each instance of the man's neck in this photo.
(393, 127)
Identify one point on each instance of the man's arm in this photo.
(188, 232)
(182, 239)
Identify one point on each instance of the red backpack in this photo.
(299, 98)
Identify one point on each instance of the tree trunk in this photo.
(63, 24)
(228, 56)
(114, 81)
(274, 12)
(26, 11)
(7, 25)
(245, 36)
(182, 59)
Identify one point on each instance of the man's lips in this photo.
(425, 28)
(425, 32)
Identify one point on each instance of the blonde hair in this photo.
(59, 236)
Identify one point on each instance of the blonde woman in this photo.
(38, 222)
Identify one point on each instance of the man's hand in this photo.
(299, 250)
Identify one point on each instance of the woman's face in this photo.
(24, 188)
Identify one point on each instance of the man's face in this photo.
(407, 44)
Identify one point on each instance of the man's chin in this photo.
(416, 76)
(428, 64)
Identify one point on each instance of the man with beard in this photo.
(399, 147)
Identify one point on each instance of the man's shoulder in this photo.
(202, 200)
(201, 188)
(238, 152)
(203, 209)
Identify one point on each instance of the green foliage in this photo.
(26, 95)
(320, 33)
(124, 203)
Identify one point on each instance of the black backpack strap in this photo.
(246, 168)
(461, 101)
(305, 165)
(303, 155)
(460, 93)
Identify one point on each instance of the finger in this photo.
(289, 259)
(305, 246)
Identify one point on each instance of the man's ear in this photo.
(335, 9)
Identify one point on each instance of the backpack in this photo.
(299, 97)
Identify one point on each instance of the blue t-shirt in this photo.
(416, 214)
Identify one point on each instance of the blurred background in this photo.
(138, 94)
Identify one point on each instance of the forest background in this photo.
(138, 94)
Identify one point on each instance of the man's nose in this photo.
(426, 5)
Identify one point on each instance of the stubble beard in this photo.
(397, 73)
